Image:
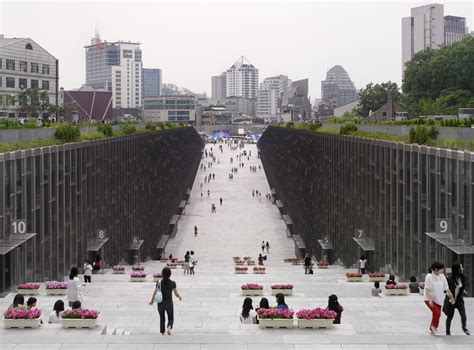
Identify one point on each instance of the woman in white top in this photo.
(436, 286)
(87, 272)
(248, 315)
(362, 264)
(57, 309)
(74, 286)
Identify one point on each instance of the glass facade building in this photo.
(151, 82)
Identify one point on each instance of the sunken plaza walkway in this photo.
(208, 316)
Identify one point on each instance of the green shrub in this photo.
(169, 125)
(150, 125)
(423, 135)
(67, 133)
(315, 126)
(347, 129)
(290, 124)
(105, 129)
(128, 128)
(160, 125)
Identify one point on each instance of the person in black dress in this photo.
(167, 288)
(457, 286)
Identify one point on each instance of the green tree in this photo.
(33, 101)
(374, 96)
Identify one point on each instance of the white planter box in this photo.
(283, 291)
(28, 291)
(156, 279)
(78, 323)
(119, 272)
(261, 272)
(275, 323)
(377, 279)
(252, 292)
(396, 291)
(240, 272)
(34, 323)
(137, 279)
(354, 279)
(318, 323)
(56, 291)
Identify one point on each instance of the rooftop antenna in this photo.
(96, 38)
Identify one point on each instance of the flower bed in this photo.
(285, 289)
(28, 288)
(250, 262)
(246, 258)
(316, 318)
(252, 289)
(138, 268)
(275, 318)
(163, 259)
(322, 264)
(172, 265)
(354, 277)
(259, 269)
(236, 258)
(241, 269)
(56, 288)
(397, 289)
(290, 260)
(239, 262)
(118, 269)
(156, 277)
(83, 318)
(376, 277)
(138, 276)
(30, 318)
(297, 261)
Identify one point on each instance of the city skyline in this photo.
(366, 54)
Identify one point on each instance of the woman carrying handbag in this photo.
(457, 287)
(163, 296)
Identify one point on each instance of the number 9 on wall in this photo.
(443, 226)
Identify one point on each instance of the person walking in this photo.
(263, 247)
(96, 266)
(208, 193)
(457, 286)
(192, 263)
(363, 264)
(87, 272)
(436, 285)
(267, 246)
(307, 264)
(213, 208)
(261, 258)
(186, 263)
(201, 196)
(195, 231)
(220, 200)
(166, 287)
(74, 286)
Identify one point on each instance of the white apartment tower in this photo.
(242, 79)
(116, 67)
(427, 28)
(218, 87)
(269, 96)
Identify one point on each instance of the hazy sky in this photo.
(191, 41)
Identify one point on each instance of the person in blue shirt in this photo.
(280, 299)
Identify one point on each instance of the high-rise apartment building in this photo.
(25, 65)
(151, 82)
(269, 96)
(427, 28)
(218, 87)
(338, 88)
(117, 67)
(242, 79)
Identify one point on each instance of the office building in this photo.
(24, 65)
(295, 101)
(427, 28)
(218, 87)
(180, 109)
(240, 106)
(242, 79)
(338, 87)
(117, 67)
(151, 82)
(269, 96)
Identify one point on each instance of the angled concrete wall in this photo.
(332, 185)
(131, 186)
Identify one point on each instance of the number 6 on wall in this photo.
(443, 226)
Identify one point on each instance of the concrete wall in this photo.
(444, 131)
(130, 185)
(331, 185)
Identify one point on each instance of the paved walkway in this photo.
(207, 318)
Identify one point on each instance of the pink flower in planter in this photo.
(138, 274)
(353, 274)
(318, 313)
(241, 268)
(138, 267)
(282, 286)
(157, 274)
(376, 274)
(275, 313)
(118, 268)
(28, 286)
(55, 285)
(259, 268)
(395, 286)
(84, 314)
(28, 314)
(251, 286)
